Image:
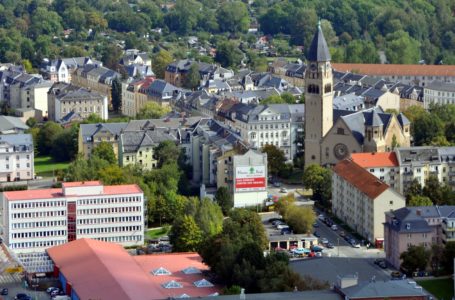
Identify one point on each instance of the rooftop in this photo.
(319, 51)
(375, 159)
(393, 69)
(363, 180)
(383, 289)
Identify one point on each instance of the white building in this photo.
(439, 92)
(16, 157)
(35, 220)
(361, 200)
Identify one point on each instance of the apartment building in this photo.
(16, 157)
(61, 70)
(134, 96)
(439, 92)
(35, 220)
(361, 200)
(419, 225)
(90, 135)
(280, 125)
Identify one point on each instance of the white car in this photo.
(318, 254)
(324, 241)
(282, 226)
(334, 227)
(355, 244)
(321, 217)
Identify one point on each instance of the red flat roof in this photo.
(360, 178)
(102, 270)
(81, 183)
(58, 193)
(396, 70)
(375, 159)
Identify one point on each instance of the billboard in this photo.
(250, 179)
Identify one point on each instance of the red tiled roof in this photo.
(81, 183)
(375, 159)
(400, 70)
(102, 270)
(360, 178)
(57, 193)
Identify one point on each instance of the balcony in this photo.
(447, 228)
(447, 239)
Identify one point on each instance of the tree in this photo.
(209, 218)
(228, 54)
(166, 152)
(153, 110)
(185, 235)
(419, 201)
(401, 48)
(360, 51)
(275, 158)
(283, 204)
(447, 257)
(160, 62)
(415, 258)
(426, 128)
(46, 137)
(433, 189)
(191, 79)
(233, 17)
(105, 151)
(64, 145)
(31, 122)
(300, 218)
(273, 99)
(414, 189)
(224, 199)
(319, 179)
(116, 93)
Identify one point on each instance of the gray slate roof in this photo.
(383, 289)
(8, 123)
(133, 140)
(306, 295)
(21, 142)
(319, 51)
(88, 130)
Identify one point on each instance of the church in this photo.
(331, 134)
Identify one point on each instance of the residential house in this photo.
(360, 200)
(67, 99)
(16, 157)
(418, 225)
(163, 92)
(61, 70)
(134, 96)
(90, 135)
(12, 125)
(135, 57)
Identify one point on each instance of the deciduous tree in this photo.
(105, 151)
(185, 235)
(224, 199)
(275, 158)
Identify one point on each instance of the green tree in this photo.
(419, 201)
(273, 99)
(209, 218)
(401, 48)
(185, 235)
(415, 258)
(414, 189)
(160, 62)
(275, 158)
(447, 257)
(433, 189)
(228, 54)
(153, 110)
(233, 17)
(191, 79)
(31, 122)
(166, 152)
(105, 151)
(224, 199)
(283, 204)
(116, 94)
(360, 51)
(64, 145)
(426, 128)
(300, 218)
(46, 137)
(184, 16)
(319, 179)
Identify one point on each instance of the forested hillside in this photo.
(406, 30)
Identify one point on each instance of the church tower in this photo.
(318, 97)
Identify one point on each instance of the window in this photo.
(340, 130)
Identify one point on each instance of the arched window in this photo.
(313, 89)
(327, 88)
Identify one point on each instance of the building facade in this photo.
(16, 157)
(90, 135)
(39, 219)
(134, 96)
(361, 200)
(439, 92)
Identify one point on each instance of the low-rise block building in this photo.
(16, 157)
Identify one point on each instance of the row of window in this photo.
(121, 239)
(57, 213)
(38, 224)
(18, 166)
(38, 234)
(109, 229)
(109, 220)
(267, 126)
(18, 157)
(38, 204)
(108, 210)
(98, 109)
(113, 200)
(37, 244)
(266, 135)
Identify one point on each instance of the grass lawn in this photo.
(45, 166)
(440, 288)
(156, 233)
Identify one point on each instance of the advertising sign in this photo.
(250, 178)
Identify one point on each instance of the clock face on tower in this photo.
(340, 150)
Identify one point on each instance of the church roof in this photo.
(319, 51)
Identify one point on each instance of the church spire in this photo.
(319, 51)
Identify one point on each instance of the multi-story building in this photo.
(35, 220)
(90, 135)
(134, 56)
(439, 92)
(245, 175)
(360, 200)
(419, 225)
(16, 157)
(280, 125)
(12, 125)
(134, 96)
(421, 75)
(96, 78)
(61, 70)
(66, 98)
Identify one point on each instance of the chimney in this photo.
(242, 294)
(418, 212)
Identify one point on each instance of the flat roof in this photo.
(81, 183)
(102, 270)
(57, 193)
(395, 69)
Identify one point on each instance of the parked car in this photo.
(315, 225)
(321, 217)
(316, 234)
(355, 244)
(342, 233)
(282, 226)
(271, 220)
(277, 184)
(277, 222)
(396, 275)
(50, 289)
(315, 248)
(381, 263)
(330, 245)
(4, 292)
(324, 241)
(334, 227)
(22, 296)
(286, 230)
(318, 254)
(283, 190)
